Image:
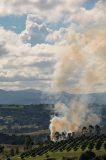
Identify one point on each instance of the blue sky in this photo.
(89, 4)
(15, 23)
(35, 39)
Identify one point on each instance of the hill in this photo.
(39, 97)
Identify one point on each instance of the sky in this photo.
(53, 44)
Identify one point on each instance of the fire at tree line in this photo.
(88, 138)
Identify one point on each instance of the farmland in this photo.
(26, 118)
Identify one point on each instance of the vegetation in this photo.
(28, 143)
(73, 148)
(24, 118)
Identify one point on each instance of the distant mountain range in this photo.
(38, 97)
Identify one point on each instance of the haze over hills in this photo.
(31, 96)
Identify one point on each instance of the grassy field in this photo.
(58, 155)
(72, 147)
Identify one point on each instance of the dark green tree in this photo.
(88, 155)
(84, 130)
(17, 150)
(105, 146)
(28, 142)
(91, 130)
(57, 136)
(63, 135)
(1, 149)
(97, 130)
(12, 152)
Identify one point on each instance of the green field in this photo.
(58, 155)
(72, 147)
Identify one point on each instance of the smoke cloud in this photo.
(80, 68)
(72, 117)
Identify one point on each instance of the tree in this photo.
(63, 135)
(28, 142)
(88, 155)
(98, 145)
(12, 153)
(48, 138)
(91, 130)
(97, 130)
(57, 136)
(69, 135)
(105, 146)
(84, 130)
(17, 150)
(1, 149)
(73, 134)
(8, 158)
(91, 145)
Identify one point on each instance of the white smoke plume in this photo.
(81, 65)
(71, 118)
(80, 69)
